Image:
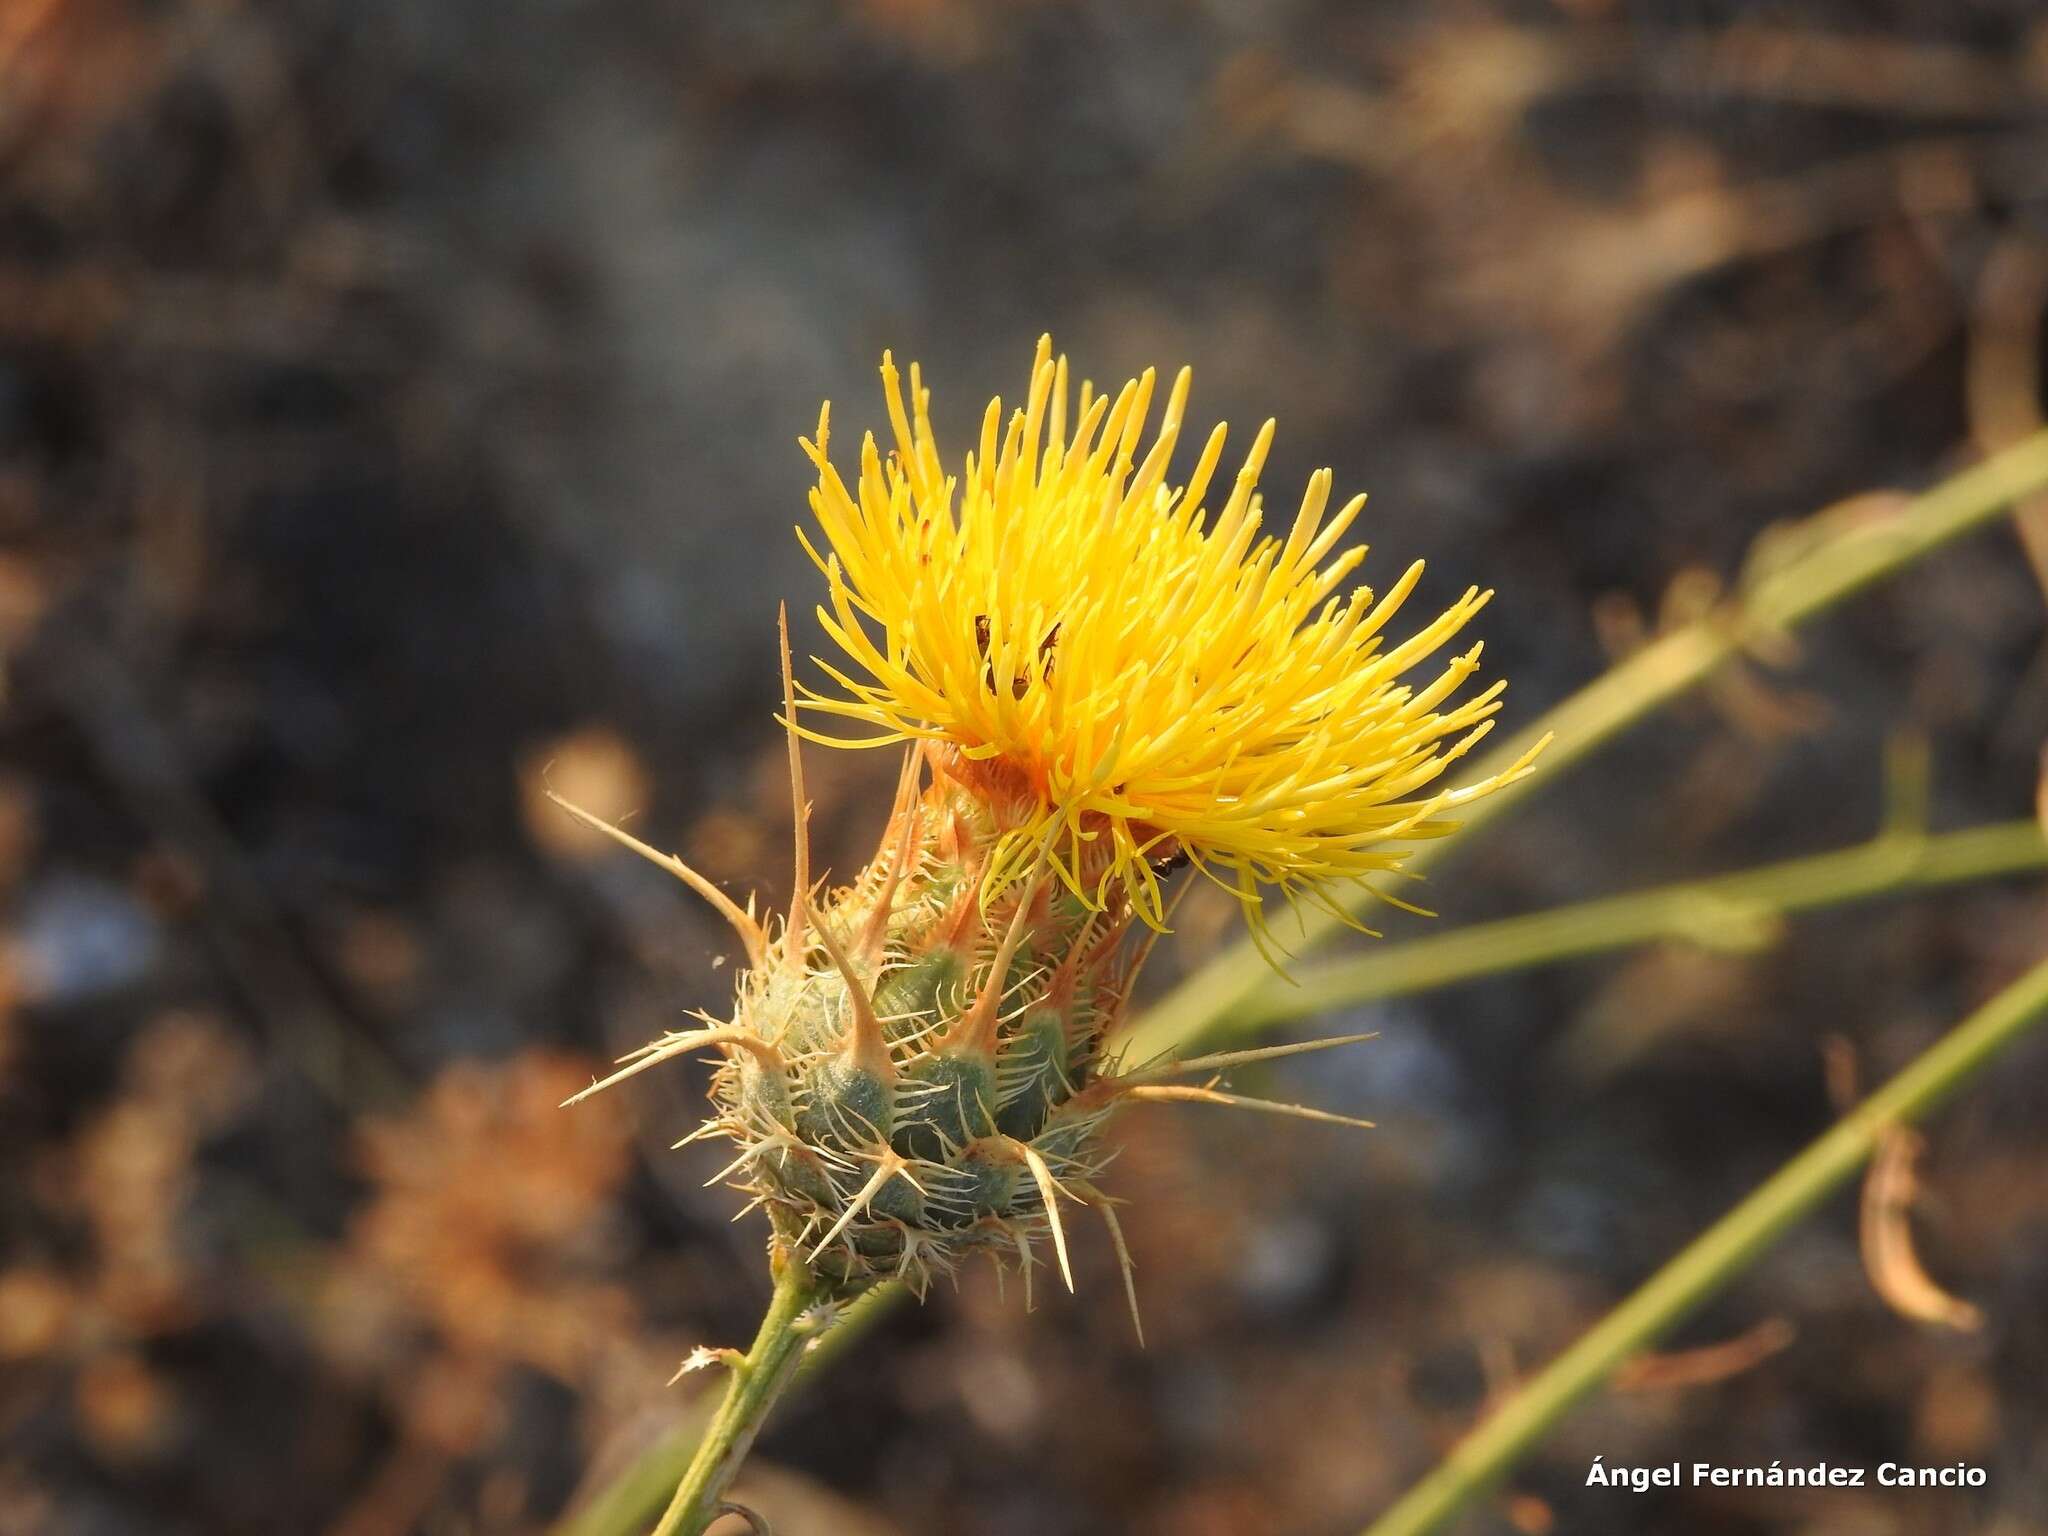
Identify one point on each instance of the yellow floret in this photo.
(1162, 678)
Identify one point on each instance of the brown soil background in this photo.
(399, 398)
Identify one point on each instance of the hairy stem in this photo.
(1724, 1251)
(757, 1381)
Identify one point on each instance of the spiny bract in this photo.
(1095, 683)
(920, 1086)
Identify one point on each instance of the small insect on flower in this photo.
(1097, 680)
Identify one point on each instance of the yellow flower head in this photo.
(1148, 677)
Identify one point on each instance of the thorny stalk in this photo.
(755, 1381)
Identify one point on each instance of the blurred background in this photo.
(399, 399)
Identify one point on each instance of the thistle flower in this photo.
(1097, 680)
(1143, 680)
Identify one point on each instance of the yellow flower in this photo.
(1145, 677)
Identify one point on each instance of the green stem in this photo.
(1837, 558)
(1725, 912)
(757, 1381)
(632, 1499)
(1725, 1250)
